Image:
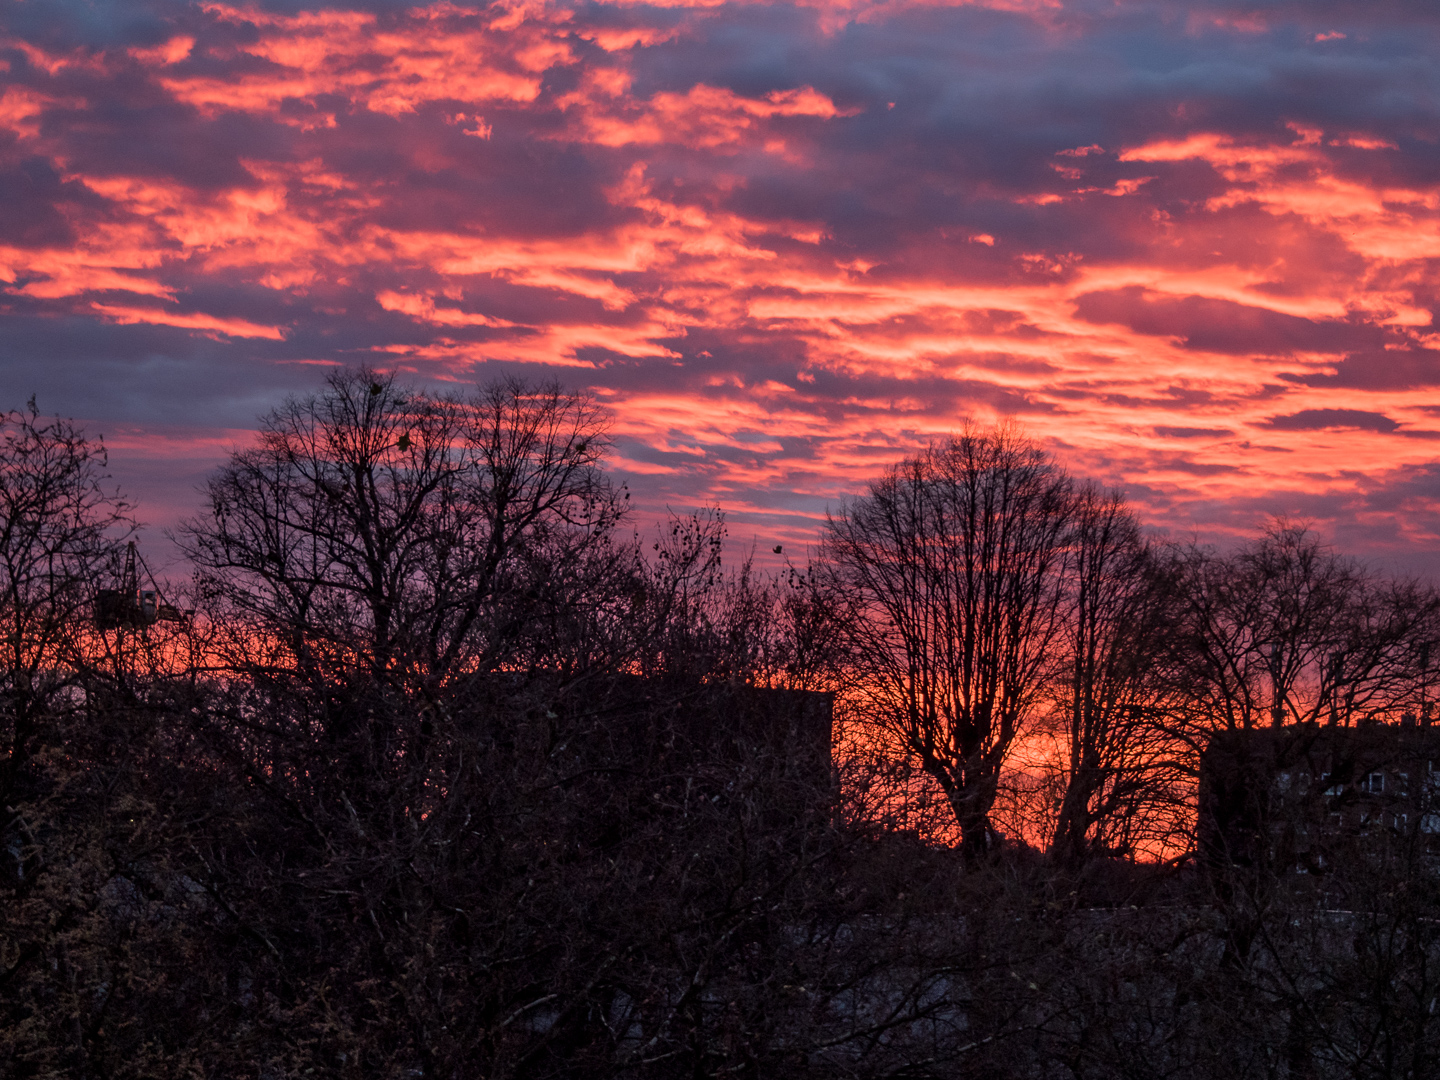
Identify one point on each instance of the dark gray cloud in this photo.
(1192, 432)
(1221, 325)
(1388, 369)
(1320, 419)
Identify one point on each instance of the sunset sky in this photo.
(1193, 248)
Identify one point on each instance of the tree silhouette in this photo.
(953, 565)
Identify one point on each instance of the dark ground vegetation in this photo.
(453, 776)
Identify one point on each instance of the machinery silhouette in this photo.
(131, 607)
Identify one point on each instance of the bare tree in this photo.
(60, 524)
(621, 853)
(952, 563)
(383, 530)
(1287, 631)
(1117, 763)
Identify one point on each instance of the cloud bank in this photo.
(1192, 249)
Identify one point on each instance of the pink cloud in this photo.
(783, 253)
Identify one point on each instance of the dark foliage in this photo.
(453, 778)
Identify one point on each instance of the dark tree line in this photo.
(455, 773)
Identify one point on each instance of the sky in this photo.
(1193, 249)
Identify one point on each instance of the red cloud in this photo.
(785, 254)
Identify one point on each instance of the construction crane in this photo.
(130, 606)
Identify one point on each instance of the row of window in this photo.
(1373, 783)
